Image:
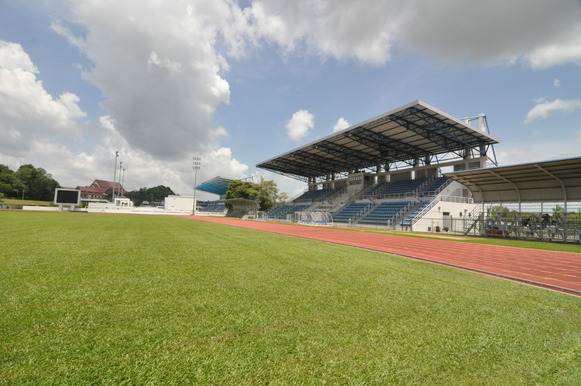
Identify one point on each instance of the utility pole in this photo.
(114, 176)
(197, 163)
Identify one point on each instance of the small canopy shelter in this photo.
(241, 207)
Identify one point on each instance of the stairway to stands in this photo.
(408, 220)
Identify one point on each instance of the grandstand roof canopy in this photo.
(551, 181)
(217, 185)
(416, 130)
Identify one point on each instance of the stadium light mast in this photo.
(114, 175)
(197, 163)
(120, 167)
(123, 179)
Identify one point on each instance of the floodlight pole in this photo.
(197, 163)
(120, 167)
(114, 176)
(123, 179)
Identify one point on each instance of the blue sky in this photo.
(240, 82)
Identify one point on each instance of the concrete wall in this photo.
(41, 208)
(451, 215)
(181, 204)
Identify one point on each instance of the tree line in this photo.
(31, 183)
(27, 183)
(558, 213)
(151, 195)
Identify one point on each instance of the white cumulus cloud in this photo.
(161, 67)
(300, 124)
(28, 110)
(158, 69)
(545, 108)
(340, 125)
(37, 128)
(541, 33)
(342, 29)
(562, 51)
(490, 32)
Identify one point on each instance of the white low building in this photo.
(179, 204)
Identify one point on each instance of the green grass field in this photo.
(125, 299)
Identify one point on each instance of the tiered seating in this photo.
(409, 218)
(378, 189)
(401, 187)
(315, 195)
(217, 207)
(386, 211)
(295, 209)
(350, 212)
(278, 211)
(282, 211)
(434, 186)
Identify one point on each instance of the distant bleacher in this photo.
(283, 211)
(217, 207)
(278, 211)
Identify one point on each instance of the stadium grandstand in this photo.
(417, 168)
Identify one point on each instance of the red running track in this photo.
(559, 271)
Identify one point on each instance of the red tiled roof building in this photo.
(101, 189)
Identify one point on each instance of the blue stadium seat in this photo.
(315, 195)
(283, 211)
(350, 212)
(386, 211)
(216, 207)
(434, 186)
(396, 188)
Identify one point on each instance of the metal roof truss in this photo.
(412, 134)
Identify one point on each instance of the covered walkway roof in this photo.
(551, 181)
(411, 132)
